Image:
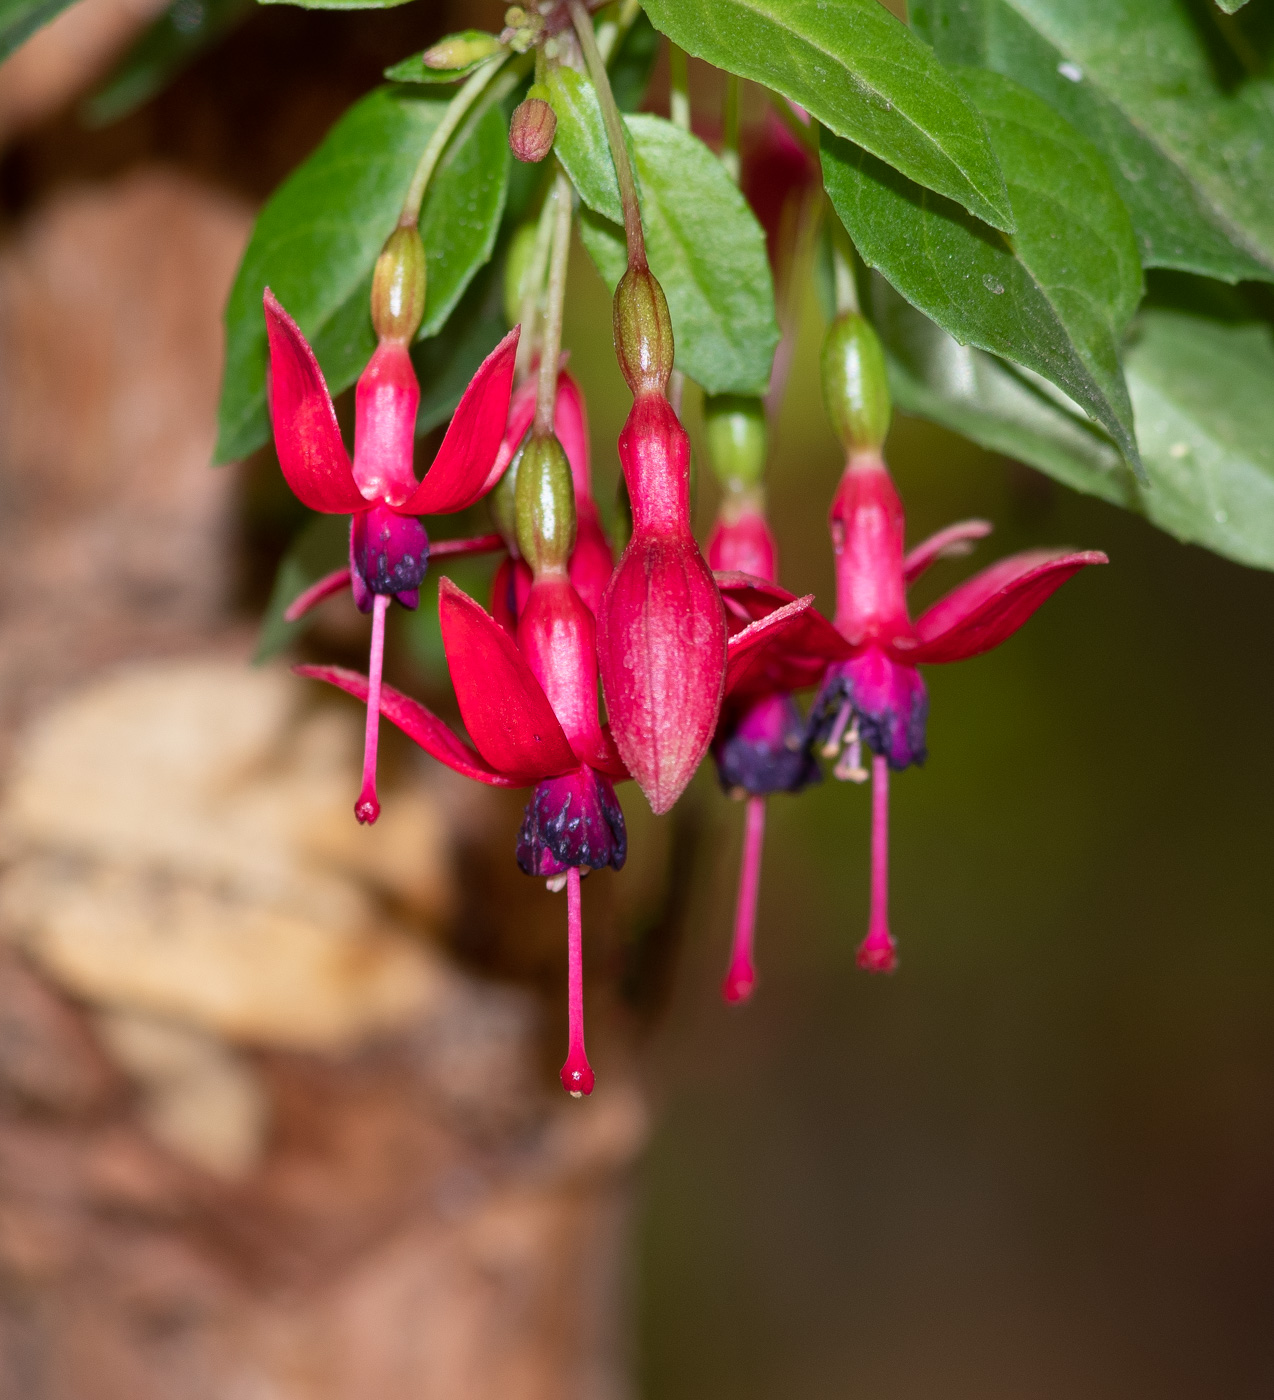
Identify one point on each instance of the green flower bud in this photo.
(737, 438)
(855, 388)
(461, 51)
(545, 503)
(502, 503)
(398, 286)
(643, 332)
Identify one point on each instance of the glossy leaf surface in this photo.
(703, 241)
(1190, 145)
(317, 239)
(1056, 297)
(861, 73)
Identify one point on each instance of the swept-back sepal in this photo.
(786, 649)
(417, 722)
(950, 543)
(459, 473)
(503, 706)
(992, 605)
(312, 456)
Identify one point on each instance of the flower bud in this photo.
(544, 501)
(461, 51)
(855, 388)
(398, 286)
(643, 332)
(502, 503)
(734, 425)
(531, 130)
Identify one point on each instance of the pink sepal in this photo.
(747, 597)
(306, 436)
(458, 476)
(503, 706)
(761, 649)
(992, 605)
(418, 723)
(335, 582)
(470, 544)
(950, 543)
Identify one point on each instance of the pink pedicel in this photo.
(577, 1073)
(389, 547)
(661, 630)
(740, 977)
(878, 952)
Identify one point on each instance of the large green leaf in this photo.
(317, 239)
(446, 363)
(21, 18)
(320, 547)
(704, 243)
(852, 65)
(1056, 297)
(1202, 391)
(1192, 156)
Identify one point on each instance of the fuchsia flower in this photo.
(875, 695)
(591, 560)
(661, 631)
(530, 707)
(389, 546)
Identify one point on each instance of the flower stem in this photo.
(367, 808)
(615, 135)
(451, 119)
(577, 1073)
(843, 267)
(554, 301)
(740, 976)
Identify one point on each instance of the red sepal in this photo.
(950, 543)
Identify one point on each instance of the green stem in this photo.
(443, 132)
(678, 87)
(615, 135)
(843, 268)
(730, 128)
(533, 288)
(555, 300)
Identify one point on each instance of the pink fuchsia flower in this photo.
(531, 710)
(876, 695)
(591, 560)
(389, 546)
(661, 631)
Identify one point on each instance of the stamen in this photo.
(832, 746)
(367, 808)
(577, 1073)
(850, 768)
(878, 952)
(740, 977)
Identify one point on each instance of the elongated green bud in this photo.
(734, 425)
(643, 332)
(855, 387)
(502, 503)
(545, 503)
(461, 51)
(398, 286)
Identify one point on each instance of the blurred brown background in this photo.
(277, 1114)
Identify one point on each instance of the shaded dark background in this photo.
(1038, 1160)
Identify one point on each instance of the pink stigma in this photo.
(577, 1073)
(367, 808)
(878, 952)
(740, 977)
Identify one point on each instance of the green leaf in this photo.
(320, 547)
(1202, 391)
(861, 73)
(316, 242)
(19, 19)
(446, 363)
(703, 241)
(182, 32)
(1231, 6)
(1054, 298)
(1192, 156)
(478, 42)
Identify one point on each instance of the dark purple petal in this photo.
(571, 821)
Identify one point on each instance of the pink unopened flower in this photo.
(389, 547)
